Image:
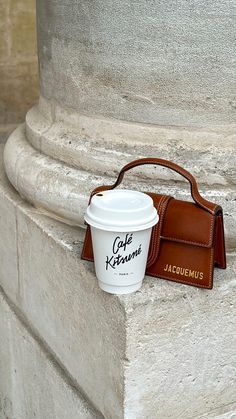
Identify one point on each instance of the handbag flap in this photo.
(186, 222)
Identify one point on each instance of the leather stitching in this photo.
(211, 266)
(151, 258)
(176, 239)
(155, 234)
(157, 238)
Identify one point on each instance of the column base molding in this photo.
(58, 157)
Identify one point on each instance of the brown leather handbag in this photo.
(187, 242)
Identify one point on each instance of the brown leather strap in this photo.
(202, 202)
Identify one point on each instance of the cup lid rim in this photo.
(105, 216)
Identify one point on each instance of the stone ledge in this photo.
(180, 342)
(133, 356)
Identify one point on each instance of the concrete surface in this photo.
(32, 384)
(132, 357)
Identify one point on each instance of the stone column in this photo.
(122, 80)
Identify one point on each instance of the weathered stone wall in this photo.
(18, 59)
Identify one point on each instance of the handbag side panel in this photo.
(87, 251)
(220, 254)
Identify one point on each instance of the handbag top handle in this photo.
(202, 202)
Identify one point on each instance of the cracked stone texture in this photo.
(134, 357)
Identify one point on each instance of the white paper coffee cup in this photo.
(121, 222)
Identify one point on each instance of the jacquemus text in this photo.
(178, 270)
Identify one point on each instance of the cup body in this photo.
(121, 222)
(120, 259)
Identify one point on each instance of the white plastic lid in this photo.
(121, 210)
